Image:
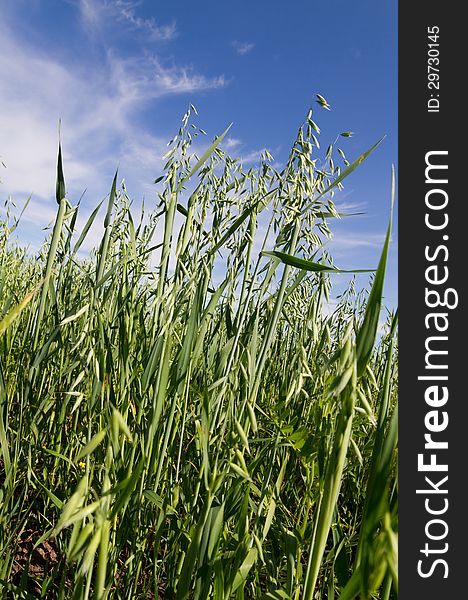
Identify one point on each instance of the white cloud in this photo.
(98, 104)
(231, 143)
(141, 79)
(35, 93)
(350, 206)
(90, 13)
(243, 47)
(99, 14)
(351, 240)
(252, 156)
(357, 249)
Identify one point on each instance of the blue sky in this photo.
(121, 73)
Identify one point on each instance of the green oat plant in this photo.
(183, 414)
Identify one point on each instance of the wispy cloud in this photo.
(35, 93)
(90, 12)
(243, 47)
(252, 156)
(99, 14)
(99, 108)
(230, 143)
(347, 206)
(352, 240)
(358, 249)
(99, 103)
(139, 79)
(249, 157)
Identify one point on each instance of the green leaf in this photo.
(91, 549)
(352, 167)
(217, 524)
(15, 312)
(60, 183)
(111, 201)
(187, 571)
(79, 515)
(85, 229)
(308, 265)
(120, 423)
(204, 157)
(365, 338)
(276, 595)
(153, 498)
(242, 217)
(92, 444)
(241, 575)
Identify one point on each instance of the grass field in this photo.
(183, 414)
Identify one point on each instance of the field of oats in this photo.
(183, 414)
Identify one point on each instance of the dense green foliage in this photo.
(182, 413)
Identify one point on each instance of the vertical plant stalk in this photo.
(373, 495)
(103, 555)
(274, 319)
(62, 202)
(332, 484)
(107, 229)
(49, 267)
